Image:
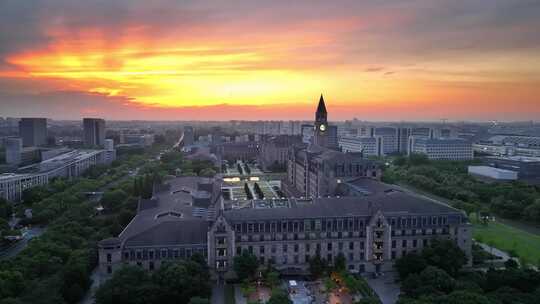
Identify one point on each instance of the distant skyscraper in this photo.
(94, 132)
(189, 136)
(33, 131)
(13, 150)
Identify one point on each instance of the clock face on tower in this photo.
(322, 127)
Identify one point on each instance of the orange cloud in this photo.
(394, 60)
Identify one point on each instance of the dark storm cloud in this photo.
(422, 26)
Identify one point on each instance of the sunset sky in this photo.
(255, 60)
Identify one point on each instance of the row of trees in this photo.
(56, 267)
(247, 267)
(249, 195)
(258, 190)
(173, 161)
(184, 281)
(449, 179)
(435, 276)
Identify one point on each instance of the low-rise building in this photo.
(238, 150)
(441, 148)
(493, 173)
(369, 146)
(142, 140)
(525, 167)
(274, 150)
(505, 145)
(67, 165)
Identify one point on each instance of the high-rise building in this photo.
(307, 133)
(33, 131)
(13, 150)
(94, 132)
(189, 137)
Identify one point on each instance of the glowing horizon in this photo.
(380, 61)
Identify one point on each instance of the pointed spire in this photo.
(321, 108)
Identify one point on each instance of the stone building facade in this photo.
(315, 171)
(371, 229)
(370, 240)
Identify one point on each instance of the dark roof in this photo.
(171, 233)
(175, 199)
(393, 203)
(321, 108)
(113, 241)
(369, 186)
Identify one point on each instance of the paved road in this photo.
(218, 294)
(386, 287)
(14, 249)
(96, 281)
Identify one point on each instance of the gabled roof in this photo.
(171, 233)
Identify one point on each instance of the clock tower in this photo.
(321, 124)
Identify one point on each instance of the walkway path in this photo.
(16, 247)
(218, 294)
(386, 287)
(238, 295)
(496, 252)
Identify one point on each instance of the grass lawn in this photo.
(229, 294)
(526, 245)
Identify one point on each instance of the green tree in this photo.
(340, 263)
(207, 172)
(409, 264)
(400, 161)
(246, 265)
(11, 283)
(199, 300)
(279, 297)
(416, 159)
(445, 254)
(317, 266)
(35, 194)
(532, 212)
(431, 280)
(114, 198)
(5, 209)
(129, 285)
(464, 297)
(180, 281)
(272, 278)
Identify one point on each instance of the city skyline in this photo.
(384, 61)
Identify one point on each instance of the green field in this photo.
(526, 245)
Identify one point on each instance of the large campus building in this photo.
(371, 227)
(370, 224)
